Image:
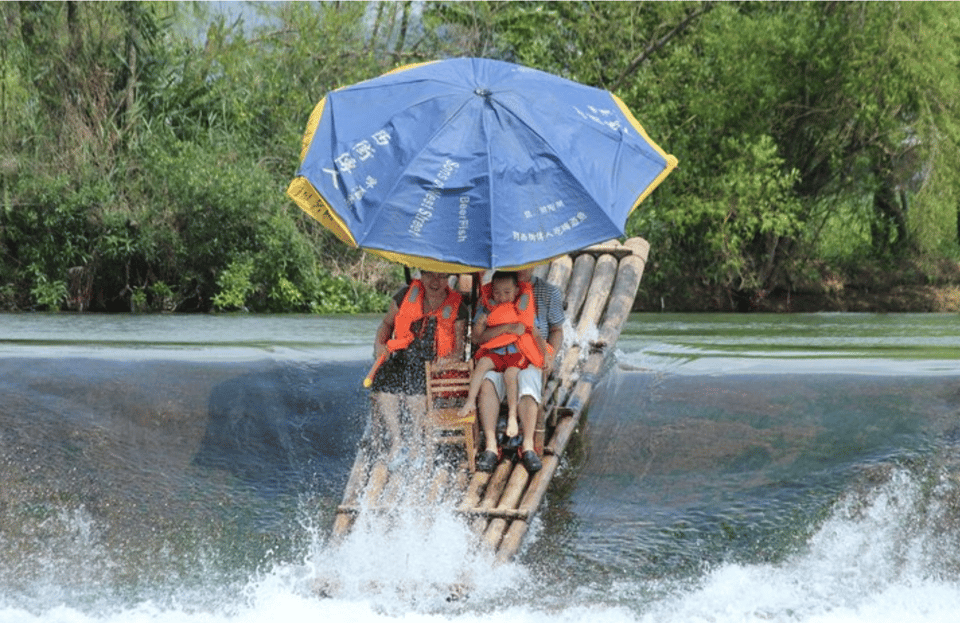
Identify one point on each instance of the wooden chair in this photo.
(447, 387)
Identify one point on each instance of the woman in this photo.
(426, 321)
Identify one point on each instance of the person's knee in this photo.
(528, 404)
(487, 389)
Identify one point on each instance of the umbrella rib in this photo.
(491, 182)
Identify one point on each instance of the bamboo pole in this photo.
(379, 476)
(561, 414)
(628, 273)
(597, 295)
(557, 385)
(584, 269)
(508, 513)
(508, 501)
(621, 299)
(438, 485)
(579, 282)
(639, 246)
(512, 539)
(560, 270)
(535, 493)
(474, 490)
(493, 491)
(619, 305)
(355, 484)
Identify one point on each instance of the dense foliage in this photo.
(145, 147)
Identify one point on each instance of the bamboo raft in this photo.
(599, 285)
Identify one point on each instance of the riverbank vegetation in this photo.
(145, 147)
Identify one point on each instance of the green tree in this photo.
(162, 169)
(806, 132)
(143, 160)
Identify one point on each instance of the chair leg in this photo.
(470, 443)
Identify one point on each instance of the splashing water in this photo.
(881, 556)
(790, 493)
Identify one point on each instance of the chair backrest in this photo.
(447, 386)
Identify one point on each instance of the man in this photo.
(549, 322)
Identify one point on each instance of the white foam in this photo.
(885, 554)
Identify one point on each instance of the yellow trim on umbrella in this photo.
(317, 112)
(410, 66)
(671, 160)
(437, 266)
(312, 202)
(424, 263)
(312, 124)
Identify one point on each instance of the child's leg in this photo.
(484, 365)
(512, 390)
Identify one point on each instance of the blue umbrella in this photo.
(470, 163)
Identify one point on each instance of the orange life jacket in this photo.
(522, 310)
(411, 310)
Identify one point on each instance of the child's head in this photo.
(505, 286)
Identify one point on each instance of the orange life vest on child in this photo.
(411, 310)
(522, 310)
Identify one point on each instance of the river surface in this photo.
(730, 468)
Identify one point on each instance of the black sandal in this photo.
(487, 461)
(531, 462)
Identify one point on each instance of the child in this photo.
(508, 303)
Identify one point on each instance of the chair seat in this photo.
(447, 388)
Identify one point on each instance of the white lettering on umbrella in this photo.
(544, 209)
(346, 163)
(333, 177)
(356, 195)
(425, 211)
(559, 230)
(364, 150)
(464, 222)
(603, 116)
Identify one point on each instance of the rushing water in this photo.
(793, 468)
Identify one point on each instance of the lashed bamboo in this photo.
(619, 304)
(355, 484)
(597, 275)
(509, 499)
(597, 295)
(600, 285)
(579, 282)
(495, 487)
(560, 270)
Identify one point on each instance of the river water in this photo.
(794, 468)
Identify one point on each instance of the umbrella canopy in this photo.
(468, 164)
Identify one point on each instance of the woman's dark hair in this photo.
(506, 274)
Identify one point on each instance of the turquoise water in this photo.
(730, 468)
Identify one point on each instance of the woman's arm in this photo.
(385, 330)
